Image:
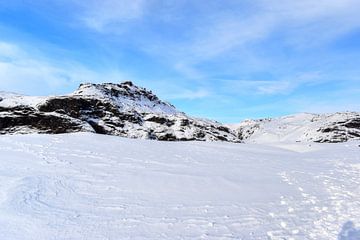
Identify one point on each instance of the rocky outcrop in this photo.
(114, 109)
(340, 131)
(26, 119)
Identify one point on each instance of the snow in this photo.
(302, 127)
(12, 99)
(89, 186)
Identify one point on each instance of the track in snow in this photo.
(85, 186)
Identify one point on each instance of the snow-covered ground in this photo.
(88, 186)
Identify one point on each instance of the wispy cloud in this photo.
(24, 72)
(110, 15)
(189, 94)
(188, 71)
(226, 34)
(21, 71)
(271, 87)
(315, 21)
(205, 32)
(250, 54)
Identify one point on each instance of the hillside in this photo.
(305, 127)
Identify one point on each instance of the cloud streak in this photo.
(23, 72)
(110, 15)
(228, 34)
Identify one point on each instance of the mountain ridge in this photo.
(124, 109)
(115, 109)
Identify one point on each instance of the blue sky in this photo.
(226, 60)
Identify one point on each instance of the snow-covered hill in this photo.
(305, 127)
(114, 109)
(130, 111)
(96, 187)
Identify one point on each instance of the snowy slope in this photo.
(89, 186)
(12, 99)
(304, 127)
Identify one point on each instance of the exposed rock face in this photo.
(26, 119)
(340, 131)
(331, 128)
(115, 109)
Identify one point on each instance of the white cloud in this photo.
(226, 33)
(106, 14)
(313, 23)
(251, 87)
(23, 72)
(189, 94)
(208, 35)
(211, 32)
(271, 87)
(188, 71)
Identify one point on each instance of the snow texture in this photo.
(97, 187)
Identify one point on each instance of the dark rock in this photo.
(37, 121)
(184, 122)
(160, 120)
(167, 137)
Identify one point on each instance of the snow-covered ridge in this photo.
(304, 127)
(114, 109)
(8, 99)
(127, 110)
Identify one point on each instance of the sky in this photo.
(225, 60)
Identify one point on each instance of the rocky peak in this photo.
(112, 90)
(127, 96)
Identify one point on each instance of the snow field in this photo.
(88, 186)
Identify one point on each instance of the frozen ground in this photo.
(87, 186)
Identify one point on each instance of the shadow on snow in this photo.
(349, 232)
